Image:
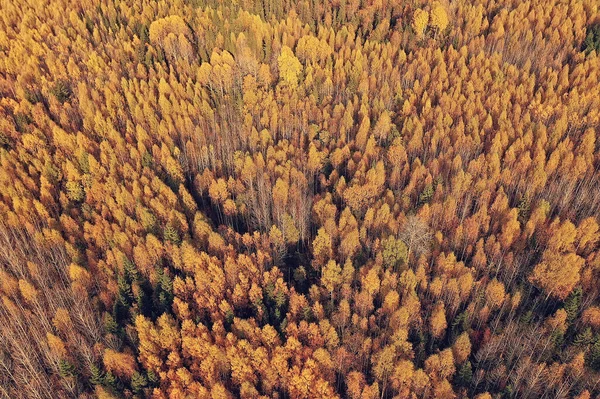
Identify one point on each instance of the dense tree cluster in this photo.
(299, 199)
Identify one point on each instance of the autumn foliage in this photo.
(299, 199)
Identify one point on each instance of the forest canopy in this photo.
(299, 199)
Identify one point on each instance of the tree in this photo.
(438, 18)
(331, 276)
(592, 39)
(557, 274)
(462, 348)
(121, 364)
(322, 250)
(416, 235)
(395, 252)
(289, 67)
(437, 320)
(495, 293)
(173, 35)
(419, 21)
(464, 376)
(591, 316)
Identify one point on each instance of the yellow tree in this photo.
(420, 21)
(331, 276)
(438, 19)
(289, 67)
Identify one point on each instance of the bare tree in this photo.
(417, 236)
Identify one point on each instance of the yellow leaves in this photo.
(371, 282)
(290, 232)
(173, 167)
(289, 67)
(31, 142)
(80, 276)
(276, 237)
(249, 171)
(420, 21)
(75, 191)
(383, 126)
(384, 362)
(315, 159)
(312, 49)
(173, 34)
(394, 252)
(322, 249)
(438, 18)
(280, 193)
(215, 242)
(218, 191)
(241, 369)
(331, 275)
(510, 229)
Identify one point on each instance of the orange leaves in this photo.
(328, 134)
(57, 346)
(510, 229)
(371, 283)
(121, 364)
(557, 274)
(218, 191)
(559, 271)
(557, 322)
(437, 320)
(591, 316)
(80, 277)
(28, 291)
(461, 348)
(494, 294)
(440, 366)
(587, 235)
